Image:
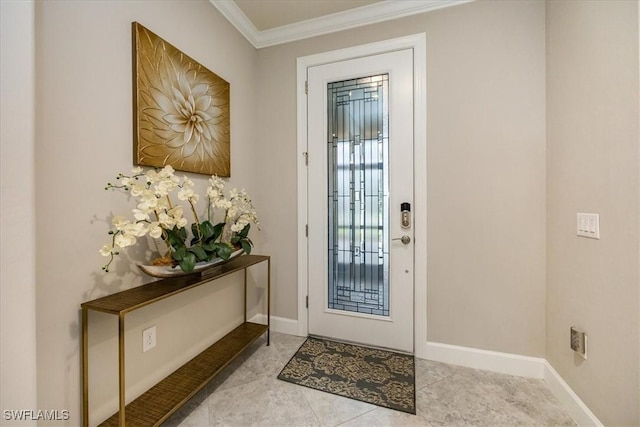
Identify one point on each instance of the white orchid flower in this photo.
(148, 200)
(176, 212)
(162, 204)
(106, 250)
(156, 214)
(165, 220)
(166, 172)
(119, 222)
(141, 215)
(137, 229)
(155, 230)
(164, 187)
(124, 240)
(137, 189)
(222, 204)
(127, 181)
(187, 192)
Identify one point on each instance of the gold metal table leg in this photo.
(85, 368)
(268, 300)
(121, 369)
(245, 295)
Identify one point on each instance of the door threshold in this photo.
(360, 344)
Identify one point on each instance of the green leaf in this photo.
(224, 251)
(207, 229)
(180, 232)
(209, 247)
(195, 231)
(200, 254)
(246, 246)
(217, 230)
(179, 254)
(188, 262)
(245, 231)
(176, 237)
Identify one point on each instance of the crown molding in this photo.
(353, 18)
(238, 19)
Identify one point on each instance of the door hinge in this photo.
(306, 158)
(307, 301)
(306, 230)
(306, 87)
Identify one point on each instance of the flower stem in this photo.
(165, 236)
(197, 222)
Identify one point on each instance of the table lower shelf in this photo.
(156, 405)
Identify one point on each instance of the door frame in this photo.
(417, 42)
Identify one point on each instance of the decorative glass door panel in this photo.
(358, 196)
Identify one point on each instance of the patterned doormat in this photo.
(379, 377)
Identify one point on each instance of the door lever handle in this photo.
(404, 239)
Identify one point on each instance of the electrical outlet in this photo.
(579, 342)
(148, 338)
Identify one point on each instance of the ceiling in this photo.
(268, 14)
(271, 22)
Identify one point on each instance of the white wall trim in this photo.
(418, 43)
(503, 363)
(353, 18)
(581, 414)
(278, 324)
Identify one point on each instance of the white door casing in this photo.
(418, 44)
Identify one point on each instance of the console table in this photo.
(163, 399)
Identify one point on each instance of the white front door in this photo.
(360, 179)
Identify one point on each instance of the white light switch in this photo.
(588, 225)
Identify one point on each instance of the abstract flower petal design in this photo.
(181, 109)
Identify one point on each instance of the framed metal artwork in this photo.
(180, 109)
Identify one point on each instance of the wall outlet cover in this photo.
(578, 342)
(148, 338)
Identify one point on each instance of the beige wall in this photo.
(486, 168)
(84, 129)
(592, 166)
(17, 213)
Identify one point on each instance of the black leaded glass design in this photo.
(358, 151)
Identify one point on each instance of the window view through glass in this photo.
(358, 151)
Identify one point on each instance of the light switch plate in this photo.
(588, 225)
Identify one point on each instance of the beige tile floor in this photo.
(248, 393)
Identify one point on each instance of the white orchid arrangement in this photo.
(157, 216)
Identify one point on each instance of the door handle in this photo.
(404, 239)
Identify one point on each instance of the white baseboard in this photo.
(504, 363)
(522, 366)
(278, 324)
(575, 406)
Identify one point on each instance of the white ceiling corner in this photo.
(352, 18)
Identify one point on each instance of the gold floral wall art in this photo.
(181, 109)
